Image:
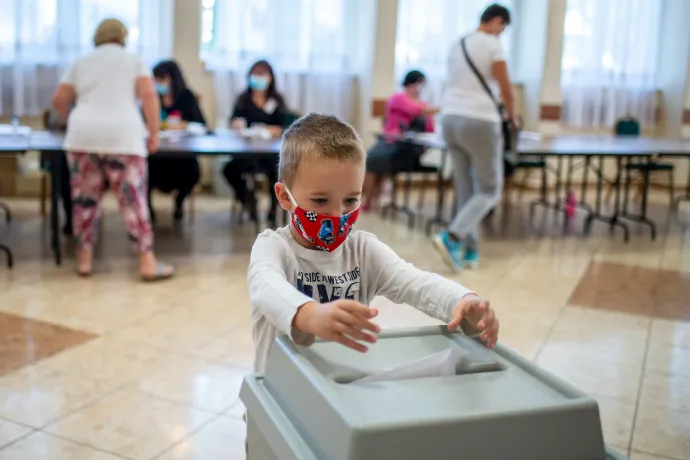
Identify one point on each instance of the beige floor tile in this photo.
(616, 421)
(641, 456)
(522, 337)
(617, 323)
(663, 432)
(237, 410)
(663, 390)
(204, 385)
(10, 431)
(41, 446)
(131, 424)
(597, 377)
(34, 398)
(598, 344)
(667, 332)
(234, 347)
(111, 362)
(223, 438)
(176, 330)
(672, 360)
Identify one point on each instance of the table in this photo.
(589, 147)
(208, 145)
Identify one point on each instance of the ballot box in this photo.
(422, 393)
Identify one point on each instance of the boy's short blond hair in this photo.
(316, 135)
(110, 30)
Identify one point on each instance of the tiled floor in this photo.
(108, 368)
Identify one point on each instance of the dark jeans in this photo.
(235, 173)
(173, 174)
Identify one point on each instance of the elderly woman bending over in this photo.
(106, 140)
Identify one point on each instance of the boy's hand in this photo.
(479, 315)
(339, 321)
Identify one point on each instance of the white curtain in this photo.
(312, 46)
(610, 61)
(425, 34)
(40, 38)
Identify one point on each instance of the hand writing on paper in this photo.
(479, 317)
(344, 321)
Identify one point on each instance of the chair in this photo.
(640, 172)
(408, 170)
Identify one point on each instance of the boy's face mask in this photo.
(322, 231)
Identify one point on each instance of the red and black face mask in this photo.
(322, 231)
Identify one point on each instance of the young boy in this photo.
(315, 277)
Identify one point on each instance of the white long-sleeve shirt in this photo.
(283, 276)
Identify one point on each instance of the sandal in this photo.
(163, 272)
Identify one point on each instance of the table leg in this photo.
(642, 217)
(438, 218)
(8, 212)
(55, 175)
(8, 253)
(612, 220)
(687, 189)
(4, 248)
(541, 201)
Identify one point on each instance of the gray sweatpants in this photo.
(475, 148)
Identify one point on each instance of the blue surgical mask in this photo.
(162, 88)
(258, 83)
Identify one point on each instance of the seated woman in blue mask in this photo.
(260, 103)
(179, 106)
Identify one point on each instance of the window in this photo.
(295, 35)
(425, 33)
(610, 60)
(57, 31)
(40, 38)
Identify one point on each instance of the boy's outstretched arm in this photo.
(433, 294)
(270, 293)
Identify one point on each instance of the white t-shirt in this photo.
(106, 118)
(283, 276)
(464, 94)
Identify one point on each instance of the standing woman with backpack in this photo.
(473, 122)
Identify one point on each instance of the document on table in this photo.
(442, 363)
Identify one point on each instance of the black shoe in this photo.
(68, 230)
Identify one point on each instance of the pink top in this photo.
(401, 109)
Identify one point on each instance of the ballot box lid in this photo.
(490, 394)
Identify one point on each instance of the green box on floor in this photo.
(456, 400)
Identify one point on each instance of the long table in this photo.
(589, 148)
(51, 144)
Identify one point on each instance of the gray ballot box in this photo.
(320, 403)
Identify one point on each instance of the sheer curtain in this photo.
(40, 38)
(610, 60)
(425, 35)
(312, 46)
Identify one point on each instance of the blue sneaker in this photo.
(449, 250)
(471, 259)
